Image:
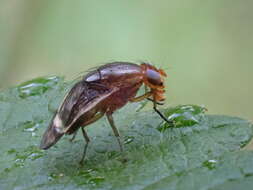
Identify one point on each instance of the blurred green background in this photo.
(205, 46)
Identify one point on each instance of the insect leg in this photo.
(146, 90)
(158, 103)
(161, 115)
(73, 137)
(95, 118)
(87, 139)
(140, 98)
(115, 130)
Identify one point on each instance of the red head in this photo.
(154, 79)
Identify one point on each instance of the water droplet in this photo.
(37, 86)
(128, 139)
(90, 176)
(54, 176)
(183, 116)
(31, 126)
(96, 180)
(85, 173)
(30, 153)
(210, 164)
(35, 156)
(19, 163)
(113, 154)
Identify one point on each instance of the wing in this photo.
(70, 100)
(81, 111)
(81, 99)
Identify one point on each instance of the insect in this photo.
(101, 92)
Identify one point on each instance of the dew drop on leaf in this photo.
(37, 86)
(183, 116)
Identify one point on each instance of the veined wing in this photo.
(81, 98)
(79, 111)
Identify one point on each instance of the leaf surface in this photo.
(200, 152)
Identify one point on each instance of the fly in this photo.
(101, 92)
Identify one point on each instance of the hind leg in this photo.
(87, 140)
(85, 135)
(73, 137)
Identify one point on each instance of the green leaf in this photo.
(199, 152)
(232, 171)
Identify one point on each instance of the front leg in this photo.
(158, 103)
(170, 123)
(142, 97)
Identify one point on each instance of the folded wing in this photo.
(80, 100)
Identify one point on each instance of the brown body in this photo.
(102, 91)
(124, 78)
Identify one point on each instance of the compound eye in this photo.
(154, 77)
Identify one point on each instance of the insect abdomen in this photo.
(53, 133)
